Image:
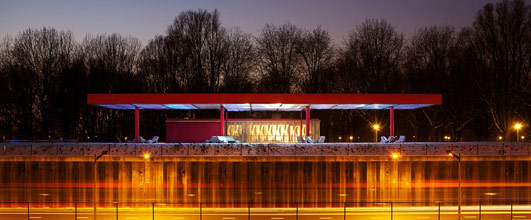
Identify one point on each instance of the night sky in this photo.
(145, 19)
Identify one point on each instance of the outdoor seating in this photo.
(300, 140)
(155, 139)
(384, 139)
(391, 139)
(321, 139)
(141, 139)
(402, 139)
(308, 139)
(222, 139)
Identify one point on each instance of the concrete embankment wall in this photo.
(263, 174)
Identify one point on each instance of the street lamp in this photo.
(458, 157)
(517, 126)
(376, 127)
(96, 157)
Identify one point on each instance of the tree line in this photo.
(483, 72)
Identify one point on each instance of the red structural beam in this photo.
(433, 99)
(308, 121)
(392, 121)
(222, 121)
(137, 124)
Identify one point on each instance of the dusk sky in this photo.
(145, 19)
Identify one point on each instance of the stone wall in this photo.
(326, 149)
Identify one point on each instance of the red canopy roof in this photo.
(264, 102)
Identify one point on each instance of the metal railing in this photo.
(262, 211)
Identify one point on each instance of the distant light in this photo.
(125, 138)
(376, 127)
(191, 194)
(44, 194)
(395, 155)
(342, 194)
(258, 193)
(522, 137)
(339, 137)
(351, 137)
(146, 156)
(500, 138)
(450, 154)
(517, 126)
(490, 194)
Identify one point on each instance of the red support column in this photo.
(392, 121)
(137, 124)
(307, 120)
(222, 120)
(300, 128)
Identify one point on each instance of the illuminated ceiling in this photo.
(264, 102)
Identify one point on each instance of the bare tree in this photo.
(39, 57)
(501, 40)
(199, 43)
(317, 53)
(279, 63)
(240, 63)
(372, 57)
(111, 64)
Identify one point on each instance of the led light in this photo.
(517, 126)
(376, 127)
(146, 156)
(395, 155)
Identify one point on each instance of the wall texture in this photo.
(199, 176)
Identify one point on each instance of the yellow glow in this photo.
(339, 138)
(450, 154)
(351, 137)
(517, 126)
(268, 131)
(376, 127)
(500, 137)
(191, 194)
(522, 137)
(343, 194)
(491, 194)
(395, 155)
(146, 156)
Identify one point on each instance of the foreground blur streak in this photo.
(162, 211)
(273, 182)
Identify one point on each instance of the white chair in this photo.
(321, 139)
(300, 140)
(309, 140)
(391, 139)
(401, 139)
(141, 139)
(155, 139)
(384, 139)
